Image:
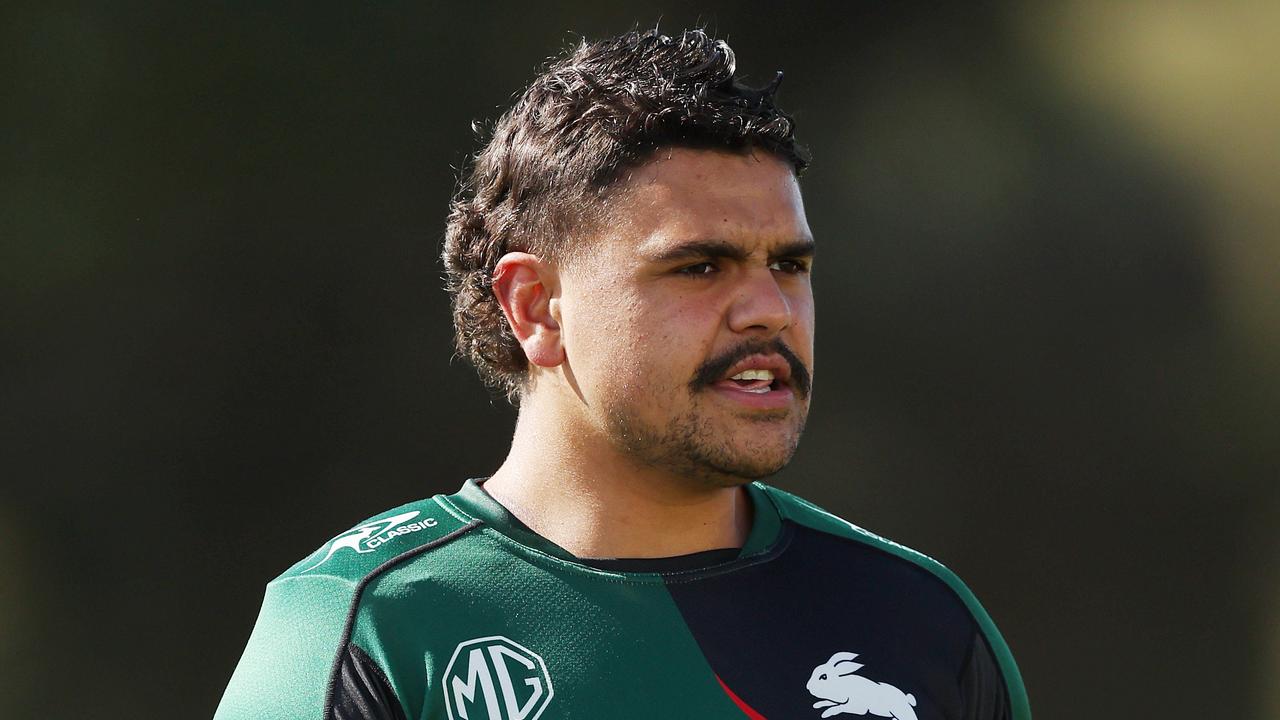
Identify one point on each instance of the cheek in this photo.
(603, 341)
(803, 323)
(636, 343)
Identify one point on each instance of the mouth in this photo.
(756, 382)
(761, 380)
(756, 375)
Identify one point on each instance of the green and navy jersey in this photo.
(450, 608)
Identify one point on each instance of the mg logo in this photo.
(495, 678)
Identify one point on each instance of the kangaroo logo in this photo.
(368, 538)
(842, 692)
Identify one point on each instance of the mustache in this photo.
(715, 368)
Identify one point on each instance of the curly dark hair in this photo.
(539, 183)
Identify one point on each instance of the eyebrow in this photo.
(722, 249)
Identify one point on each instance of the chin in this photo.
(707, 449)
(736, 466)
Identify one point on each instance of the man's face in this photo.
(699, 276)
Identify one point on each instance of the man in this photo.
(629, 260)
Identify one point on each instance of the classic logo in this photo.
(842, 692)
(370, 537)
(495, 678)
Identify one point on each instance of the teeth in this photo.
(754, 375)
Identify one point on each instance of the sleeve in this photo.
(300, 664)
(982, 686)
(362, 691)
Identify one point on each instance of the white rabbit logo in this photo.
(843, 692)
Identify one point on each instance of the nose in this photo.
(760, 305)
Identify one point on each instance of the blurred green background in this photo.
(1049, 323)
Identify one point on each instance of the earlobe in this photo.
(525, 287)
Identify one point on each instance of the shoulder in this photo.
(327, 586)
(377, 543)
(806, 514)
(302, 642)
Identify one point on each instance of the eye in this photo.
(702, 268)
(790, 267)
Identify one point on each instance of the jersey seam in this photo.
(354, 608)
(767, 555)
(968, 658)
(354, 649)
(457, 512)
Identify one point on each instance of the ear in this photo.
(842, 663)
(527, 288)
(848, 667)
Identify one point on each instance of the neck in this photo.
(580, 493)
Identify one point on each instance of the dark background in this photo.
(1048, 320)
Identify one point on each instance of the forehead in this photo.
(749, 198)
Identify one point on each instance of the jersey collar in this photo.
(473, 500)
